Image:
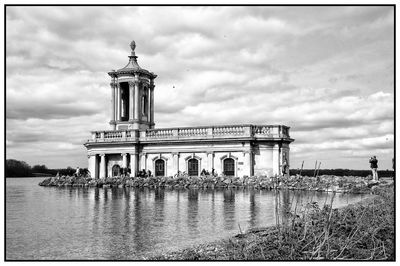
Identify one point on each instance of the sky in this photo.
(326, 72)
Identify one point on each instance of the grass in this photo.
(364, 231)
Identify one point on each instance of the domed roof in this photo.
(132, 67)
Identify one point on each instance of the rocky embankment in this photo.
(347, 184)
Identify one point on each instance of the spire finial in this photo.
(133, 46)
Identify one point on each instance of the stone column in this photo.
(131, 96)
(118, 102)
(124, 160)
(275, 160)
(113, 104)
(280, 157)
(137, 104)
(151, 100)
(248, 160)
(175, 163)
(148, 105)
(210, 161)
(92, 165)
(247, 163)
(143, 161)
(134, 164)
(103, 166)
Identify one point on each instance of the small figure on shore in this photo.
(177, 175)
(374, 166)
(393, 167)
(77, 172)
(213, 172)
(148, 173)
(144, 174)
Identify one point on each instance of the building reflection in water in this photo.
(139, 224)
(254, 208)
(285, 206)
(96, 209)
(177, 215)
(193, 210)
(159, 197)
(213, 210)
(126, 210)
(229, 209)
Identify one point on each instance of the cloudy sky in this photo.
(327, 72)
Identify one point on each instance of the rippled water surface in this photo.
(127, 223)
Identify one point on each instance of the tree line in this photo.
(15, 168)
(340, 172)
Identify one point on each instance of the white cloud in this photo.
(326, 72)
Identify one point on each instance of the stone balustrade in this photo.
(213, 132)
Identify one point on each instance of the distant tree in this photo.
(39, 169)
(15, 168)
(70, 170)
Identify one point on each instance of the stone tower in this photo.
(132, 96)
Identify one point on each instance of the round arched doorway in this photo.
(116, 170)
(193, 167)
(229, 167)
(159, 167)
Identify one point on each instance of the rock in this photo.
(45, 182)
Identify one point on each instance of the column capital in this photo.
(113, 85)
(210, 152)
(133, 83)
(123, 154)
(102, 154)
(175, 153)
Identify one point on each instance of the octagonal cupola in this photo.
(132, 95)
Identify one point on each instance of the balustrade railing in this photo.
(191, 132)
(234, 131)
(228, 130)
(159, 133)
(113, 135)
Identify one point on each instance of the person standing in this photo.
(374, 166)
(77, 172)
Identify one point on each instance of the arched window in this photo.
(116, 170)
(229, 167)
(159, 167)
(193, 167)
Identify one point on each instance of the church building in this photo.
(134, 142)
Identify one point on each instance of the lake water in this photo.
(127, 223)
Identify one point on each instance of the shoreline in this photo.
(281, 242)
(324, 183)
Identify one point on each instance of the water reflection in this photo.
(127, 223)
(254, 209)
(192, 212)
(229, 209)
